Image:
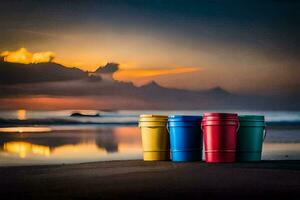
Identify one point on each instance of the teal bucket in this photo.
(251, 134)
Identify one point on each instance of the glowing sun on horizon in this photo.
(21, 114)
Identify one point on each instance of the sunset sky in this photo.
(242, 46)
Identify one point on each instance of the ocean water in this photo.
(54, 137)
(122, 117)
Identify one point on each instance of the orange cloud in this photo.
(142, 73)
(26, 57)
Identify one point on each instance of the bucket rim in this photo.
(153, 118)
(183, 118)
(220, 115)
(255, 118)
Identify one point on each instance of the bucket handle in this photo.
(238, 127)
(265, 133)
(167, 126)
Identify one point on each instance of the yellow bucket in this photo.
(155, 137)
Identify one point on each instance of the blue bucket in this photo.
(185, 137)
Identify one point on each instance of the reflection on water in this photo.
(70, 146)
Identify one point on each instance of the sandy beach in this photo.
(149, 180)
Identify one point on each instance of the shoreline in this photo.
(137, 179)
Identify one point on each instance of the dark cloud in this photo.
(109, 68)
(15, 73)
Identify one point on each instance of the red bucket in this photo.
(220, 136)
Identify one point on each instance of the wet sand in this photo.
(152, 180)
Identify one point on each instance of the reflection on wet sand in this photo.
(129, 139)
(25, 129)
(79, 150)
(25, 148)
(78, 145)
